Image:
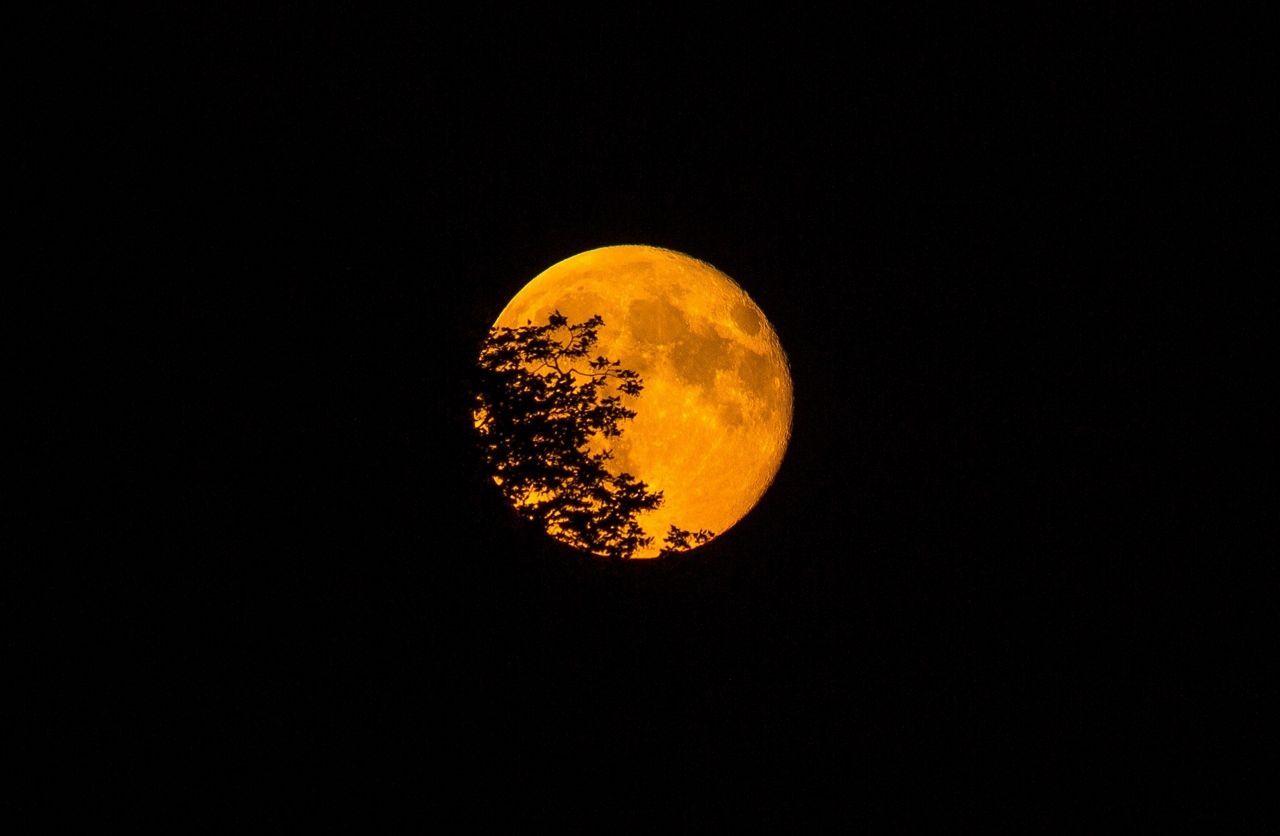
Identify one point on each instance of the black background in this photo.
(965, 592)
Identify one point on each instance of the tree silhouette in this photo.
(543, 411)
(679, 540)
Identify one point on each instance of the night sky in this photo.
(960, 595)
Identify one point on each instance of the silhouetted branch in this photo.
(536, 413)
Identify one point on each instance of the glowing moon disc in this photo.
(713, 421)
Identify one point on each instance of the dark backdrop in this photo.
(961, 593)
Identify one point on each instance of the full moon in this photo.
(714, 418)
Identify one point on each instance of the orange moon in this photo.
(714, 419)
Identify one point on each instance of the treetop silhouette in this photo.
(543, 412)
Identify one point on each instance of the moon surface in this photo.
(714, 419)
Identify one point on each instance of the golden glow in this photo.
(713, 421)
